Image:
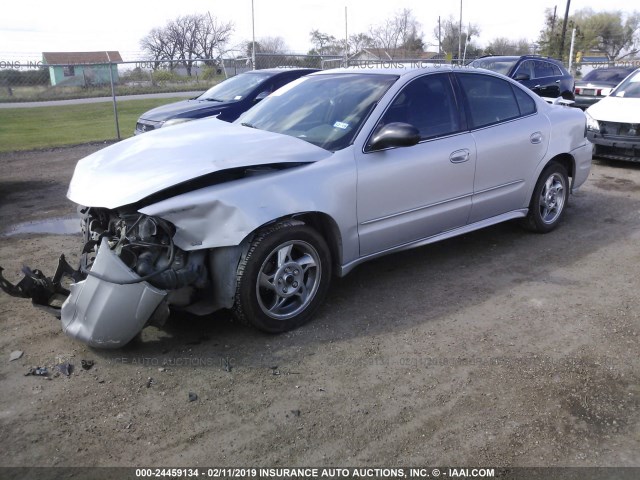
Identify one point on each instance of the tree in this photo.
(187, 39)
(613, 34)
(399, 34)
(325, 44)
(504, 46)
(358, 42)
(450, 37)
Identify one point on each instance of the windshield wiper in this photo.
(209, 99)
(245, 124)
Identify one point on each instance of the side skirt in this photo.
(436, 238)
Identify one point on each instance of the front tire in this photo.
(550, 197)
(283, 278)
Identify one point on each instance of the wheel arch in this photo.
(567, 161)
(323, 223)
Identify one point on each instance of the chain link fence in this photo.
(47, 105)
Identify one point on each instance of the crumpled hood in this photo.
(616, 109)
(135, 168)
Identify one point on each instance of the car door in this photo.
(547, 83)
(408, 193)
(510, 137)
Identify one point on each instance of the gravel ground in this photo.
(498, 348)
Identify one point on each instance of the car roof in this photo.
(391, 68)
(277, 70)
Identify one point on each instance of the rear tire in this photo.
(549, 199)
(283, 278)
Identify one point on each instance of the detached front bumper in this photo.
(107, 314)
(107, 309)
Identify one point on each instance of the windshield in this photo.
(502, 65)
(234, 88)
(325, 110)
(630, 88)
(606, 75)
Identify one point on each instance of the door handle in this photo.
(537, 86)
(536, 138)
(557, 81)
(459, 156)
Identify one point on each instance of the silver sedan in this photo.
(330, 171)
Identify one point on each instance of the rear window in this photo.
(526, 104)
(606, 75)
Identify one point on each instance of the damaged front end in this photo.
(130, 272)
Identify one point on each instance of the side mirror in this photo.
(261, 96)
(522, 77)
(395, 134)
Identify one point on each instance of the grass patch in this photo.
(46, 127)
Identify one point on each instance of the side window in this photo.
(525, 102)
(556, 71)
(543, 69)
(491, 100)
(427, 103)
(526, 68)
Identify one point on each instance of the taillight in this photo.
(578, 91)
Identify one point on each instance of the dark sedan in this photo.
(598, 83)
(226, 100)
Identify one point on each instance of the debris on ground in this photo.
(162, 369)
(226, 363)
(87, 364)
(15, 355)
(150, 382)
(192, 397)
(275, 371)
(38, 371)
(65, 369)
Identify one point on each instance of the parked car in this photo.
(339, 167)
(545, 76)
(614, 122)
(226, 100)
(599, 83)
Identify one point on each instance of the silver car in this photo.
(330, 171)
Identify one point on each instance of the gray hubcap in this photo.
(552, 198)
(288, 280)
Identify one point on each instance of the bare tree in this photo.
(325, 44)
(450, 36)
(358, 42)
(187, 39)
(504, 46)
(275, 45)
(400, 32)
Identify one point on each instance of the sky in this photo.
(29, 27)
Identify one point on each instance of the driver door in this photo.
(406, 194)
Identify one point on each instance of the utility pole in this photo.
(253, 43)
(439, 37)
(573, 42)
(564, 30)
(460, 34)
(346, 39)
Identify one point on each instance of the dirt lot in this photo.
(499, 348)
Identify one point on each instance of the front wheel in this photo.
(283, 278)
(549, 199)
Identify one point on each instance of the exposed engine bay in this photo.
(128, 261)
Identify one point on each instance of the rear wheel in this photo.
(549, 199)
(283, 278)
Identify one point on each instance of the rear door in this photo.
(510, 137)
